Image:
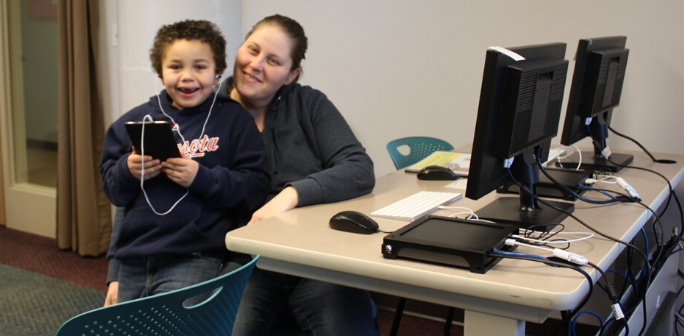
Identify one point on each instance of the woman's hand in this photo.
(112, 294)
(285, 200)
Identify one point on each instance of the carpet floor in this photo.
(37, 305)
(41, 287)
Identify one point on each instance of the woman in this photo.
(314, 158)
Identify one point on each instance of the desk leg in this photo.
(483, 324)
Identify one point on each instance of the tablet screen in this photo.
(159, 141)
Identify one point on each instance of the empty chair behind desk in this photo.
(419, 148)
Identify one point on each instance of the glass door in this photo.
(29, 116)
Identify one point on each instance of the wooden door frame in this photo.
(31, 207)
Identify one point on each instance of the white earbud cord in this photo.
(142, 175)
(177, 127)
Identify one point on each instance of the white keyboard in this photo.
(416, 206)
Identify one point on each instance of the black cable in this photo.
(648, 267)
(672, 194)
(571, 191)
(655, 215)
(659, 242)
(642, 147)
(558, 264)
(602, 191)
(545, 231)
(610, 288)
(656, 221)
(625, 198)
(626, 325)
(545, 236)
(630, 279)
(656, 261)
(612, 293)
(529, 192)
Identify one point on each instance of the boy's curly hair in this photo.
(200, 30)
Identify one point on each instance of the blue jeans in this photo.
(319, 308)
(159, 274)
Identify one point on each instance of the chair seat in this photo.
(164, 314)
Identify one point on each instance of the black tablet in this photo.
(159, 140)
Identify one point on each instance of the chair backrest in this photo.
(164, 314)
(419, 148)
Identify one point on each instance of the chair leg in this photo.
(397, 317)
(449, 319)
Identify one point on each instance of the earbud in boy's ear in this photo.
(218, 76)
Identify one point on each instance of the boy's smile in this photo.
(188, 72)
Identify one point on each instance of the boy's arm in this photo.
(244, 178)
(118, 183)
(113, 263)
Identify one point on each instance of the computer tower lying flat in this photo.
(570, 178)
(597, 162)
(449, 241)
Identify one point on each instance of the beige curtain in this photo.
(83, 211)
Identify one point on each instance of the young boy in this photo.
(176, 220)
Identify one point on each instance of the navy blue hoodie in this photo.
(232, 180)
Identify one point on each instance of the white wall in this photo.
(399, 68)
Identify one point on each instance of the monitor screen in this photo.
(519, 111)
(596, 89)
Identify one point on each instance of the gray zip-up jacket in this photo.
(311, 147)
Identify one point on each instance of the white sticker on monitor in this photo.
(606, 152)
(514, 56)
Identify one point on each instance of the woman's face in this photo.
(262, 66)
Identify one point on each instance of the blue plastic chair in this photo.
(419, 148)
(164, 314)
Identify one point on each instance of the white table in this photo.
(300, 242)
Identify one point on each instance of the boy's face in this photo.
(188, 72)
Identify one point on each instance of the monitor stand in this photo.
(597, 162)
(525, 210)
(508, 210)
(546, 188)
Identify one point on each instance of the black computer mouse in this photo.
(436, 173)
(353, 221)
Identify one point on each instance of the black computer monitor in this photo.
(596, 89)
(518, 114)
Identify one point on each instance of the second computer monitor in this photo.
(596, 89)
